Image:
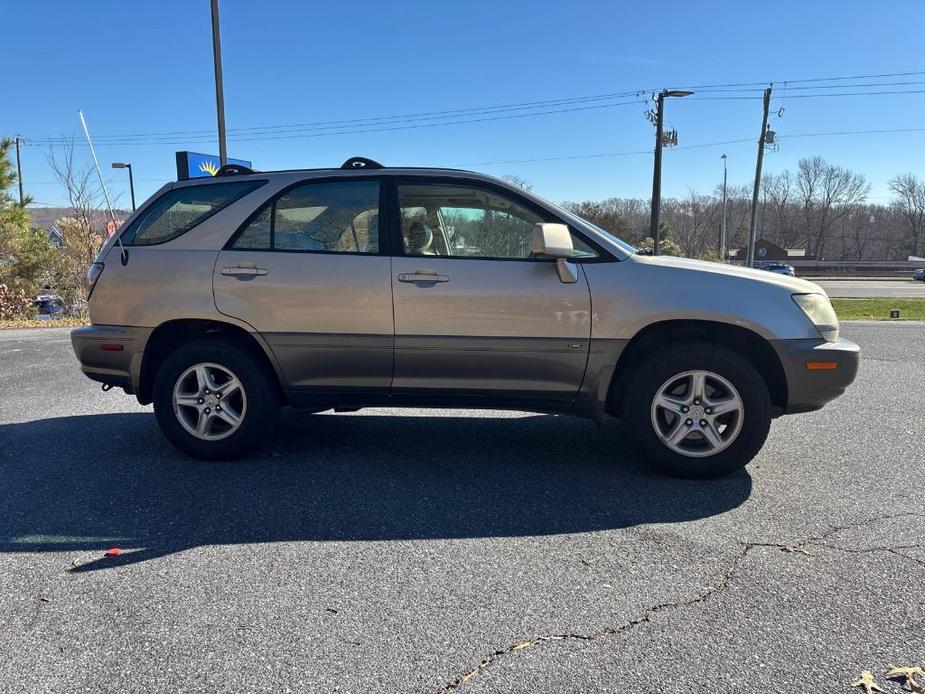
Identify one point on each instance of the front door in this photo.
(475, 313)
(306, 271)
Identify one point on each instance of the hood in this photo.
(794, 285)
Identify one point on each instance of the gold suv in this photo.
(222, 300)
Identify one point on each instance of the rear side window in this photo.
(333, 217)
(178, 211)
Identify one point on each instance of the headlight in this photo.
(818, 309)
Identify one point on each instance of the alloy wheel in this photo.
(697, 413)
(209, 401)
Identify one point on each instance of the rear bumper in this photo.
(98, 350)
(809, 389)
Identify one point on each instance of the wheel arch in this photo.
(170, 335)
(657, 335)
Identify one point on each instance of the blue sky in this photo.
(136, 67)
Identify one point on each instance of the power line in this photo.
(343, 124)
(411, 126)
(800, 81)
(802, 96)
(599, 155)
(378, 120)
(818, 86)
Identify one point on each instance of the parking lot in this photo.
(435, 551)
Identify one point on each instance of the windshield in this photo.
(623, 245)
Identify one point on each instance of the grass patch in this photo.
(32, 323)
(878, 308)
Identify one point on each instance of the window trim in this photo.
(383, 231)
(603, 256)
(259, 183)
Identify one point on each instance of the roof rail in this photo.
(234, 170)
(361, 163)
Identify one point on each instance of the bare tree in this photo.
(828, 193)
(777, 217)
(518, 181)
(83, 232)
(910, 203)
(628, 218)
(857, 231)
(821, 207)
(693, 222)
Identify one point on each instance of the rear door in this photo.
(475, 313)
(311, 273)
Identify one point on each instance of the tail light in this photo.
(93, 274)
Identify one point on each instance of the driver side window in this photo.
(459, 221)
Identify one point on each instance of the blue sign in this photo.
(196, 165)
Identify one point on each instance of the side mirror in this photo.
(555, 241)
(552, 240)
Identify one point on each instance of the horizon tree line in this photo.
(821, 207)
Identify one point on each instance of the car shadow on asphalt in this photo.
(85, 483)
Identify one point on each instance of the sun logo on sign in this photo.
(208, 167)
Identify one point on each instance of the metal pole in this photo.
(219, 89)
(96, 163)
(657, 173)
(99, 172)
(22, 197)
(722, 228)
(753, 226)
(131, 184)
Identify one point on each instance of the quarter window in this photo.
(178, 211)
(464, 222)
(338, 217)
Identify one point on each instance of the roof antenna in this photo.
(112, 216)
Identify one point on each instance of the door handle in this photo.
(244, 271)
(423, 277)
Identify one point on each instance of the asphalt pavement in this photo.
(893, 289)
(437, 551)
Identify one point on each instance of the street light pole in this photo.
(219, 88)
(654, 227)
(131, 184)
(722, 228)
(131, 180)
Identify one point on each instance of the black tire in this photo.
(259, 417)
(658, 368)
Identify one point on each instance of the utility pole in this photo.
(753, 226)
(655, 222)
(22, 198)
(654, 229)
(722, 227)
(219, 88)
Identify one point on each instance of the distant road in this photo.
(905, 289)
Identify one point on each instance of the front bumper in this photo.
(98, 350)
(809, 389)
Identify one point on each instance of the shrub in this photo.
(14, 303)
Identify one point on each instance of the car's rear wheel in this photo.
(697, 410)
(214, 401)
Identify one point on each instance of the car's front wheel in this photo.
(697, 410)
(214, 401)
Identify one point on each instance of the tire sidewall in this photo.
(260, 415)
(656, 370)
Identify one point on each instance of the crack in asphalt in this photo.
(721, 585)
